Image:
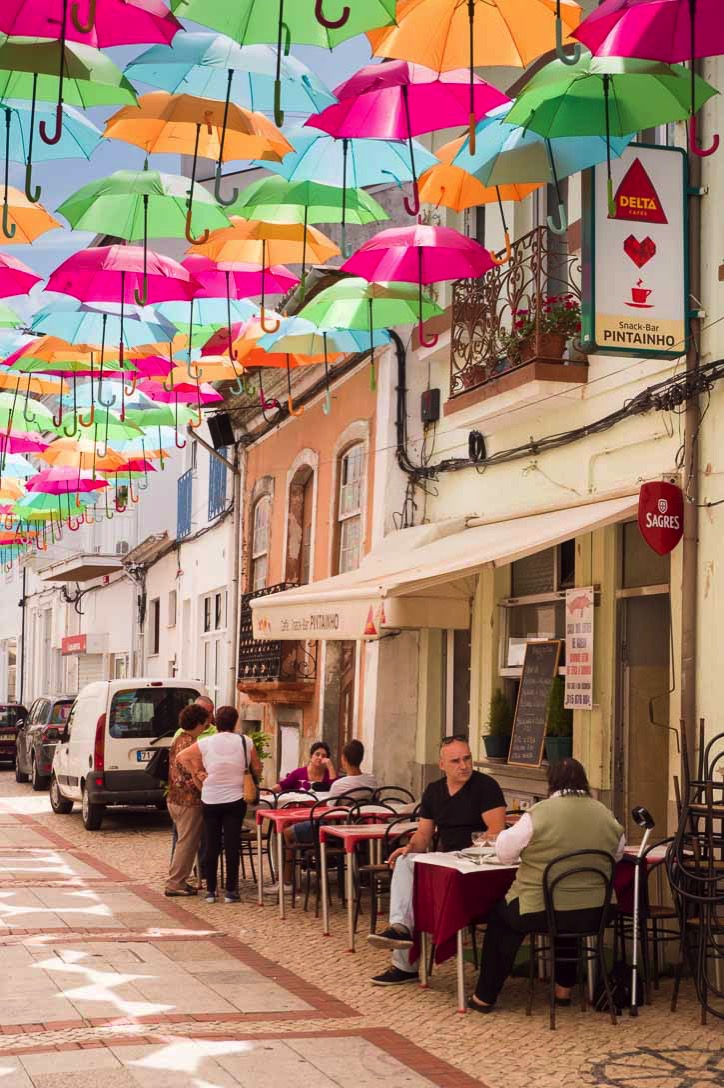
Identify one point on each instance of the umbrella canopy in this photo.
(79, 138)
(62, 481)
(79, 324)
(243, 280)
(80, 453)
(277, 200)
(15, 277)
(9, 319)
(115, 273)
(353, 163)
(107, 22)
(23, 221)
(452, 187)
(12, 419)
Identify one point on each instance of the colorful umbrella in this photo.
(183, 124)
(76, 323)
(349, 163)
(115, 273)
(15, 277)
(399, 100)
(107, 22)
(23, 221)
(663, 30)
(450, 34)
(609, 96)
(422, 255)
(9, 319)
(303, 22)
(79, 137)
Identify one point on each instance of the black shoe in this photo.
(187, 890)
(393, 976)
(392, 937)
(232, 897)
(563, 1002)
(473, 1004)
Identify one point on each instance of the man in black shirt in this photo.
(455, 806)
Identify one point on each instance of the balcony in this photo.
(489, 357)
(274, 671)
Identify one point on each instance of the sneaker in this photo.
(393, 976)
(273, 889)
(232, 897)
(396, 936)
(210, 898)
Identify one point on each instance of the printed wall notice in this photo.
(579, 648)
(636, 303)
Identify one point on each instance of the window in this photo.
(299, 526)
(536, 608)
(213, 607)
(60, 712)
(147, 712)
(171, 621)
(349, 508)
(217, 486)
(120, 666)
(154, 626)
(261, 522)
(184, 513)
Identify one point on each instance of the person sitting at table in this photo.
(569, 820)
(455, 806)
(353, 778)
(319, 773)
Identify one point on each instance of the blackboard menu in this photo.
(540, 666)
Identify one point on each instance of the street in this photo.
(106, 982)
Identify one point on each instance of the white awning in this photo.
(422, 577)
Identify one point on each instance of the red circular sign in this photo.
(661, 516)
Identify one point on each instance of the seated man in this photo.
(455, 806)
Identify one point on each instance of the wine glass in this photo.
(479, 838)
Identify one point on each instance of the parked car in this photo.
(10, 715)
(37, 737)
(114, 729)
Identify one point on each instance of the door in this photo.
(642, 748)
(68, 776)
(346, 693)
(22, 740)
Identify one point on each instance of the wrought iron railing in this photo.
(184, 516)
(272, 659)
(485, 342)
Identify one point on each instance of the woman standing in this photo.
(221, 761)
(319, 773)
(184, 801)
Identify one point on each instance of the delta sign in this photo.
(635, 256)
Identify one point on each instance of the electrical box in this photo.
(430, 406)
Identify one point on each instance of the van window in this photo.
(60, 712)
(9, 715)
(148, 712)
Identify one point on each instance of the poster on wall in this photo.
(579, 648)
(635, 256)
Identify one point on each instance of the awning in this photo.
(422, 577)
(82, 568)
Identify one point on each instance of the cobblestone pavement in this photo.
(104, 982)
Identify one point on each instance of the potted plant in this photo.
(544, 332)
(500, 727)
(559, 723)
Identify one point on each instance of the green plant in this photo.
(559, 721)
(554, 314)
(261, 743)
(500, 715)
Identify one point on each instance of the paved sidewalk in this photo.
(104, 982)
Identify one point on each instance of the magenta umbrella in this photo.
(106, 22)
(421, 255)
(64, 480)
(671, 31)
(15, 277)
(184, 392)
(398, 100)
(13, 442)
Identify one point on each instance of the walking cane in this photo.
(642, 818)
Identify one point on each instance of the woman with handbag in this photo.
(229, 766)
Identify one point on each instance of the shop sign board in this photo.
(661, 515)
(579, 648)
(540, 666)
(635, 261)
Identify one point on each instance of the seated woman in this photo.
(319, 773)
(569, 820)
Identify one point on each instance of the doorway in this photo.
(346, 693)
(641, 753)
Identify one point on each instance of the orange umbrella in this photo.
(250, 241)
(80, 453)
(447, 34)
(22, 221)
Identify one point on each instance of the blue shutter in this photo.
(183, 512)
(217, 486)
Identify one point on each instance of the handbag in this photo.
(158, 765)
(250, 786)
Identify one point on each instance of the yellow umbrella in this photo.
(22, 221)
(51, 387)
(80, 453)
(11, 490)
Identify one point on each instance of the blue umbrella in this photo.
(79, 137)
(208, 311)
(81, 324)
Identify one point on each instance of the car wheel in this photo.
(92, 814)
(20, 776)
(59, 804)
(37, 780)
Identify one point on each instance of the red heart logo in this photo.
(639, 252)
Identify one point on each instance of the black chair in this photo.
(394, 793)
(379, 875)
(600, 866)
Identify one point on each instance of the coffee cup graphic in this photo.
(640, 296)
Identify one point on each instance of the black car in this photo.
(37, 737)
(10, 715)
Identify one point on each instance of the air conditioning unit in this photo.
(122, 547)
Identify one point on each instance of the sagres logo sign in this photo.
(636, 197)
(661, 515)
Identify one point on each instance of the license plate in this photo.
(144, 757)
(7, 736)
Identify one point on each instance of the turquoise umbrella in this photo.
(79, 137)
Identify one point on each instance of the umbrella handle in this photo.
(223, 201)
(134, 498)
(199, 419)
(131, 389)
(57, 420)
(74, 524)
(498, 261)
(74, 429)
(120, 506)
(278, 111)
(179, 445)
(28, 416)
(83, 28)
(424, 342)
(610, 200)
(33, 195)
(562, 225)
(43, 128)
(267, 405)
(106, 403)
(292, 410)
(189, 236)
(327, 403)
(8, 227)
(330, 24)
(702, 152)
(141, 296)
(565, 58)
(268, 328)
(87, 520)
(194, 377)
(87, 421)
(413, 207)
(239, 386)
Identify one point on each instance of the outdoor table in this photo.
(350, 835)
(281, 818)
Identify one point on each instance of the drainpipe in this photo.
(233, 639)
(22, 638)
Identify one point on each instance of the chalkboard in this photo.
(540, 666)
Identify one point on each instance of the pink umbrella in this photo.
(184, 392)
(107, 22)
(420, 255)
(398, 100)
(62, 479)
(21, 443)
(670, 31)
(15, 277)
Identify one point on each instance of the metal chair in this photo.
(386, 794)
(379, 875)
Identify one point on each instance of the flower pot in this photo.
(496, 747)
(558, 748)
(552, 345)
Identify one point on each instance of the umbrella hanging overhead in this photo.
(452, 187)
(23, 221)
(287, 22)
(79, 137)
(9, 319)
(349, 163)
(422, 255)
(101, 23)
(202, 127)
(399, 100)
(76, 323)
(450, 34)
(15, 277)
(663, 30)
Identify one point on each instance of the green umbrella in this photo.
(163, 415)
(304, 22)
(355, 303)
(8, 318)
(123, 204)
(276, 200)
(611, 96)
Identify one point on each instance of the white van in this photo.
(113, 729)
